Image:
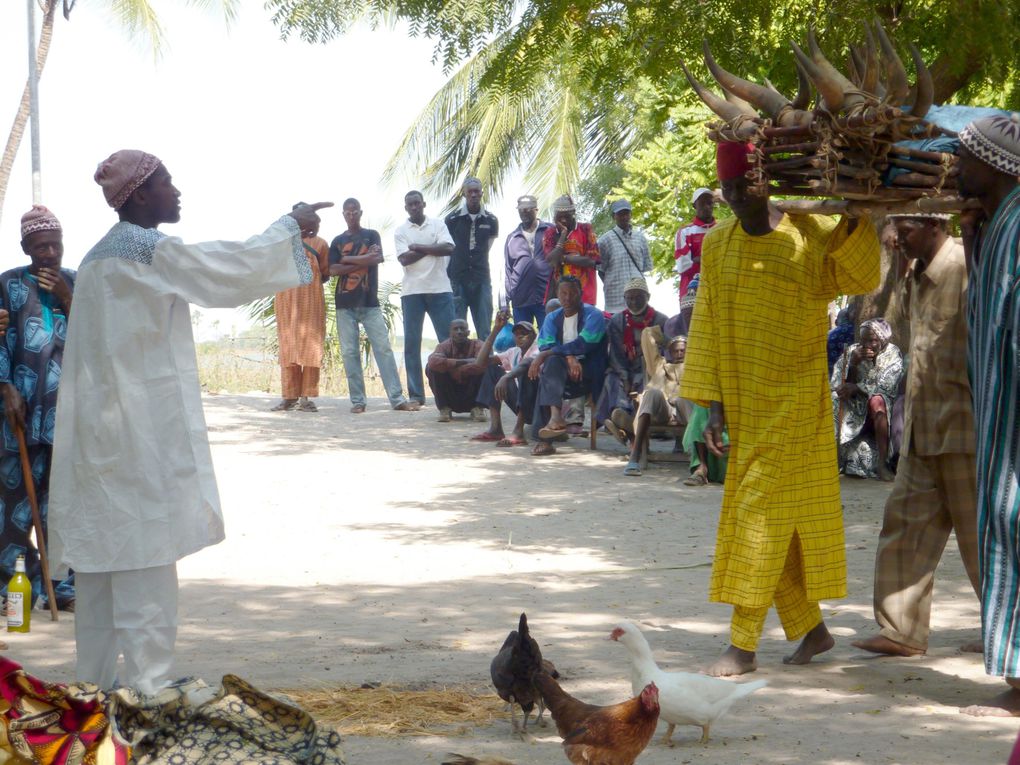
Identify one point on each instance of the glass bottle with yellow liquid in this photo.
(19, 599)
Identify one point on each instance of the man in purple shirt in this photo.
(527, 272)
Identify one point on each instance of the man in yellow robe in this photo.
(756, 358)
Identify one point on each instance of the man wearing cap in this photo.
(500, 382)
(935, 489)
(625, 378)
(989, 165)
(688, 239)
(780, 537)
(571, 249)
(37, 303)
(473, 229)
(301, 330)
(623, 257)
(527, 272)
(132, 488)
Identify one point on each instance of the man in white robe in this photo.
(132, 486)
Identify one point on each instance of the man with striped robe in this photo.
(989, 163)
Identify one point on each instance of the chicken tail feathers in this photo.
(746, 689)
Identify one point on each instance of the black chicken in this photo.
(513, 671)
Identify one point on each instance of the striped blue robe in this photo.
(994, 350)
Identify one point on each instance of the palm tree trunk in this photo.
(21, 118)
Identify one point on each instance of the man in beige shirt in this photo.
(935, 490)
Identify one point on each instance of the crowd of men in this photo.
(130, 480)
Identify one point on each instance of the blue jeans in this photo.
(439, 307)
(532, 313)
(477, 297)
(371, 318)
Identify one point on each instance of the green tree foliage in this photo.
(562, 87)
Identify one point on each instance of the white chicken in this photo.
(685, 698)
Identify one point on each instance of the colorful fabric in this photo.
(189, 722)
(49, 724)
(297, 381)
(301, 312)
(995, 140)
(580, 241)
(879, 328)
(994, 359)
(633, 325)
(31, 359)
(39, 218)
(123, 172)
(687, 252)
(858, 451)
(938, 413)
(781, 479)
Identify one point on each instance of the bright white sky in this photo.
(247, 125)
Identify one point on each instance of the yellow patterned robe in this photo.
(757, 344)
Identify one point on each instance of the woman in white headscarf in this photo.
(865, 382)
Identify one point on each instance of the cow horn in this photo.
(897, 85)
(764, 99)
(803, 99)
(855, 66)
(849, 96)
(830, 92)
(925, 87)
(723, 108)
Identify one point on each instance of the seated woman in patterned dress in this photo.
(865, 382)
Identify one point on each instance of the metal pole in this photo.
(33, 92)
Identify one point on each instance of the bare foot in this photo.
(734, 661)
(974, 646)
(882, 644)
(1006, 704)
(817, 641)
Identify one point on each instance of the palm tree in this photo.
(137, 17)
(553, 128)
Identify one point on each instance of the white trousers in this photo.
(133, 613)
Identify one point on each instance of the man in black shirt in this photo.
(354, 257)
(473, 229)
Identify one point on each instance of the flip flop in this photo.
(511, 441)
(543, 449)
(632, 468)
(285, 406)
(486, 436)
(308, 406)
(552, 434)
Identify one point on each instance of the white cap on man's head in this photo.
(698, 194)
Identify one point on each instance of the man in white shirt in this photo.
(132, 489)
(423, 247)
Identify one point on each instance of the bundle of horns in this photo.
(844, 144)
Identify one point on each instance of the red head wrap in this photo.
(731, 159)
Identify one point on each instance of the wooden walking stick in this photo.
(26, 472)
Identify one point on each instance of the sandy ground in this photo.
(388, 548)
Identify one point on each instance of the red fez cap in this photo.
(731, 159)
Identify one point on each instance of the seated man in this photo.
(626, 375)
(660, 402)
(499, 383)
(865, 381)
(571, 362)
(453, 374)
